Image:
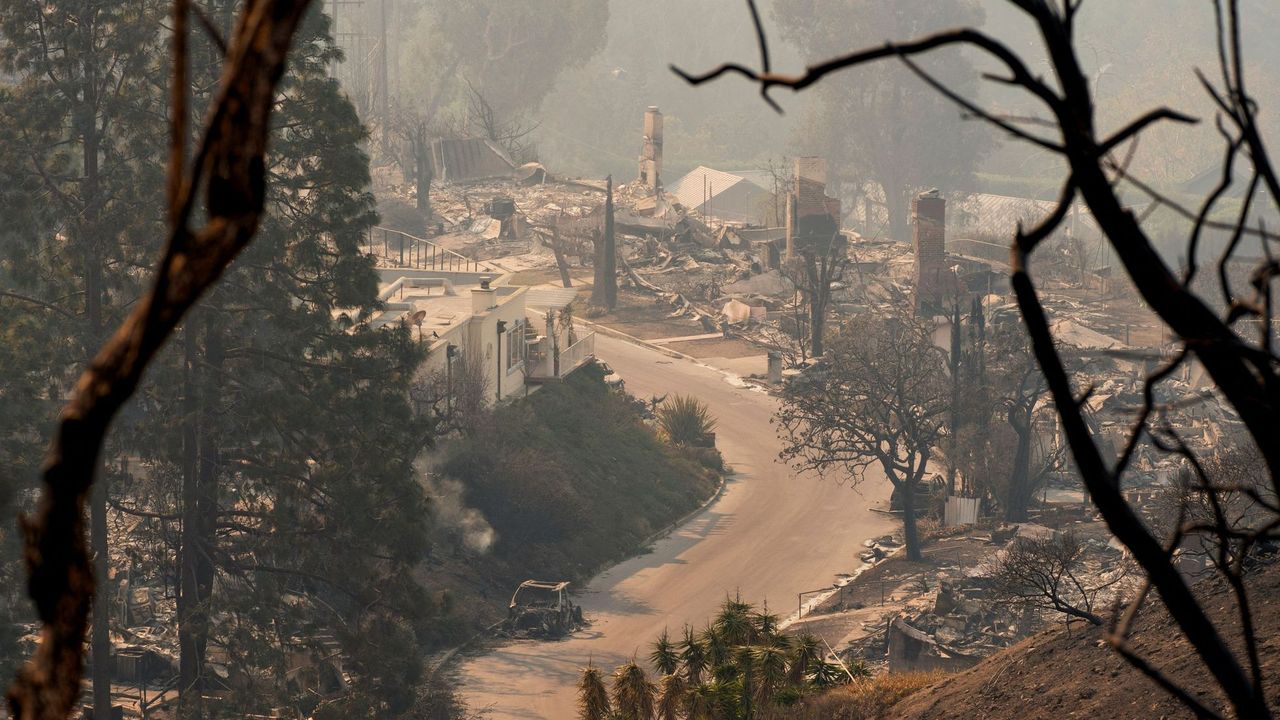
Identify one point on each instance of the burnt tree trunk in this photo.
(1019, 495)
(610, 249)
(561, 262)
(423, 161)
(604, 292)
(954, 411)
(190, 660)
(91, 244)
(818, 295)
(207, 487)
(910, 532)
(199, 511)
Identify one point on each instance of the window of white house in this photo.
(515, 343)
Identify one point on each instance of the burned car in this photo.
(541, 610)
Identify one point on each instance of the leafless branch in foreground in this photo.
(1246, 371)
(228, 166)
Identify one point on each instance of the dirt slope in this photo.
(1059, 674)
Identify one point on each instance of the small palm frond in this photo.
(664, 656)
(733, 623)
(673, 697)
(693, 656)
(715, 647)
(766, 625)
(632, 692)
(593, 698)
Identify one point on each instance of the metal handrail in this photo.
(420, 253)
(578, 353)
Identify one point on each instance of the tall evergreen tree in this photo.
(287, 454)
(265, 467)
(81, 122)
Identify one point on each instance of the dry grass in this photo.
(861, 700)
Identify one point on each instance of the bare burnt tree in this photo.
(510, 134)
(604, 289)
(791, 336)
(879, 399)
(415, 132)
(813, 271)
(1022, 387)
(781, 172)
(1049, 573)
(227, 166)
(1234, 346)
(1238, 483)
(452, 397)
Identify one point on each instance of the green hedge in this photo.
(571, 478)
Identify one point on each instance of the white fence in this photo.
(577, 354)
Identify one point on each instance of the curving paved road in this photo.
(770, 536)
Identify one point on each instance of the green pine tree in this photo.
(80, 121)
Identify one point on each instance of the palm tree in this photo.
(771, 665)
(827, 675)
(744, 659)
(704, 702)
(664, 656)
(684, 420)
(734, 622)
(693, 656)
(593, 698)
(673, 697)
(715, 647)
(766, 624)
(632, 692)
(806, 653)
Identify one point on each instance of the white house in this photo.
(468, 315)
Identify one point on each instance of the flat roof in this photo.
(446, 305)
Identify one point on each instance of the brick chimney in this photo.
(811, 186)
(929, 214)
(483, 298)
(651, 149)
(813, 219)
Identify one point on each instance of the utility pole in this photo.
(610, 249)
(957, 347)
(333, 30)
(384, 80)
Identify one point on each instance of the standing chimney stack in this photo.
(651, 150)
(929, 213)
(483, 298)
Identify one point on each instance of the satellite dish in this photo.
(418, 317)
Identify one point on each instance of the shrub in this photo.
(572, 478)
(685, 421)
(867, 699)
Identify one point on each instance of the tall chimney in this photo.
(651, 149)
(929, 212)
(811, 186)
(483, 298)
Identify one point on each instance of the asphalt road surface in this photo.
(770, 536)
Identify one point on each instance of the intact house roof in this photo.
(733, 196)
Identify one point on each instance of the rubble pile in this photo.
(950, 612)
